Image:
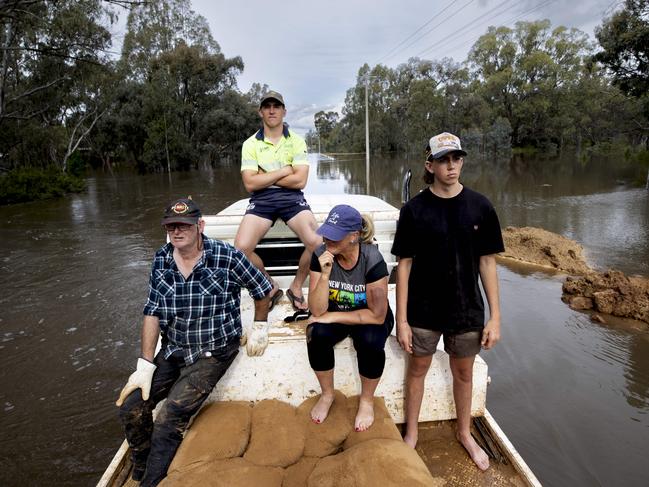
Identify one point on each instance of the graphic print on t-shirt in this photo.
(347, 296)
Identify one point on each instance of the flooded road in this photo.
(573, 396)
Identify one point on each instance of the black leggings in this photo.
(369, 342)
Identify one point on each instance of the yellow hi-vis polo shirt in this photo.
(260, 153)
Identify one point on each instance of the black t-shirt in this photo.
(445, 237)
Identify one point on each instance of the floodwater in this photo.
(572, 395)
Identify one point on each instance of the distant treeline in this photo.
(169, 101)
(530, 86)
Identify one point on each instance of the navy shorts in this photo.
(274, 203)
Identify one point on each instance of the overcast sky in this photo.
(311, 51)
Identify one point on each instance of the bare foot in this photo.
(365, 415)
(476, 453)
(411, 439)
(321, 409)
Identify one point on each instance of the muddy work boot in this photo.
(138, 472)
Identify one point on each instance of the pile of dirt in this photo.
(537, 246)
(272, 443)
(609, 292)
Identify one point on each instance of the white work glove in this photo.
(140, 379)
(257, 339)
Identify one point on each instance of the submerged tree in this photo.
(527, 86)
(624, 38)
(190, 106)
(52, 58)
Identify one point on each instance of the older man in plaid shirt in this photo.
(194, 305)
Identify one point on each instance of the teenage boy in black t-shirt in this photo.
(447, 237)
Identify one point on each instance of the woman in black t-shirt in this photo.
(348, 296)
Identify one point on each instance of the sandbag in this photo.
(297, 474)
(326, 438)
(232, 472)
(388, 463)
(277, 434)
(383, 426)
(220, 430)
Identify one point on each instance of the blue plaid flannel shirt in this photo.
(202, 313)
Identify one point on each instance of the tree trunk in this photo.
(578, 148)
(72, 145)
(106, 164)
(4, 66)
(167, 145)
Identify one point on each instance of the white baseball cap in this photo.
(441, 144)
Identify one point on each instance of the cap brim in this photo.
(331, 233)
(441, 154)
(179, 219)
(270, 98)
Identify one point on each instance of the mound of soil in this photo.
(547, 249)
(609, 292)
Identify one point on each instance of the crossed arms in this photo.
(290, 177)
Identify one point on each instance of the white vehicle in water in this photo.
(283, 371)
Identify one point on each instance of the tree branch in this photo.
(14, 116)
(72, 148)
(127, 3)
(35, 90)
(47, 52)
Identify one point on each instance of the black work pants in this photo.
(154, 444)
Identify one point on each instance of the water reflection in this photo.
(564, 389)
(632, 338)
(569, 393)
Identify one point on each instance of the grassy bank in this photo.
(30, 184)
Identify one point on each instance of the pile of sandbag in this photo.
(274, 444)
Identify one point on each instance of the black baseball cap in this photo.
(183, 210)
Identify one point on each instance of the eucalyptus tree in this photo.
(529, 74)
(530, 85)
(492, 59)
(324, 123)
(52, 72)
(624, 38)
(191, 109)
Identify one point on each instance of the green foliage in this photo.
(76, 165)
(170, 102)
(624, 38)
(529, 86)
(29, 184)
(640, 159)
(179, 105)
(52, 70)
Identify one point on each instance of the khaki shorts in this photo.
(424, 342)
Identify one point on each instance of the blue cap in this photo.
(341, 220)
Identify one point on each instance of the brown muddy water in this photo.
(572, 395)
